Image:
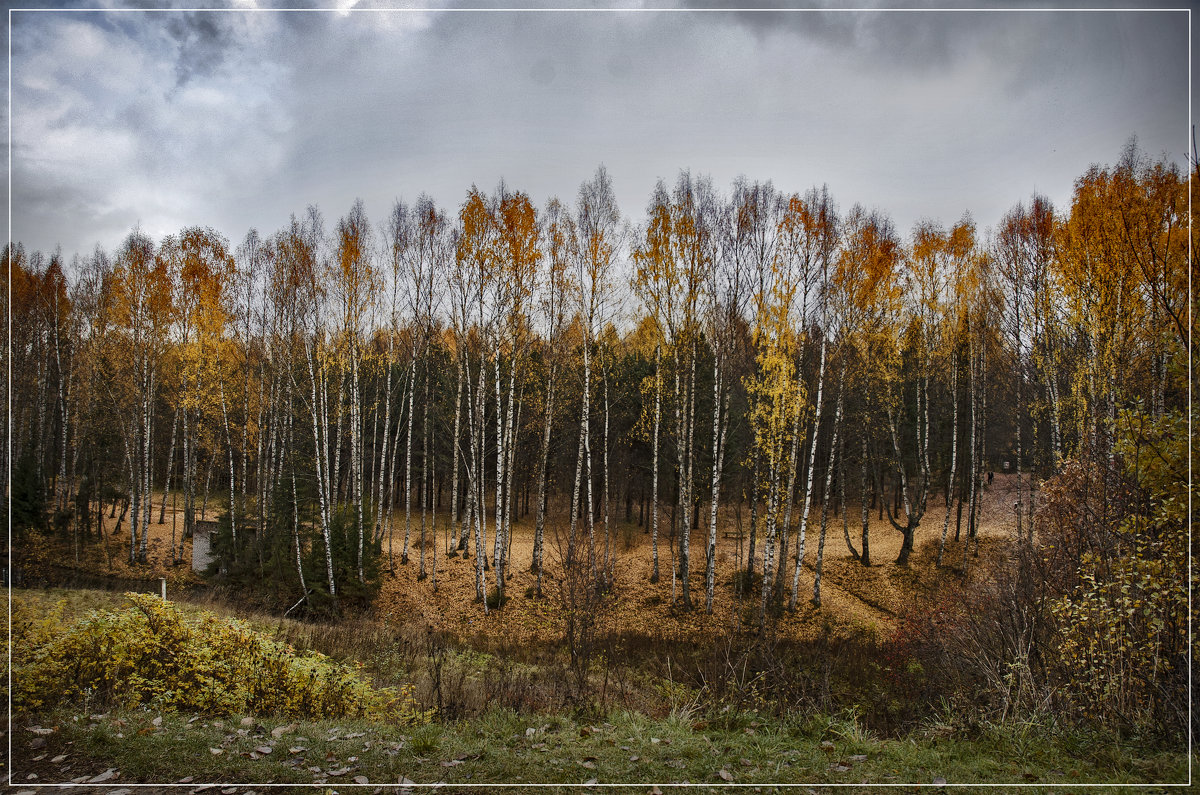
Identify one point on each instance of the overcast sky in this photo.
(237, 120)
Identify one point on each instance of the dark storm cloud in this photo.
(1032, 46)
(203, 39)
(833, 27)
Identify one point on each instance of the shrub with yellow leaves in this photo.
(151, 653)
(1121, 645)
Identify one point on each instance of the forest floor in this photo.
(854, 598)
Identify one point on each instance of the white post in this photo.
(163, 582)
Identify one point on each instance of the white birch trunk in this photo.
(583, 447)
(335, 485)
(356, 446)
(769, 543)
(383, 453)
(478, 485)
(825, 495)
(296, 517)
(131, 454)
(412, 378)
(390, 484)
(509, 468)
(232, 477)
(754, 488)
(808, 489)
(498, 540)
(681, 471)
(540, 526)
(162, 512)
(953, 461)
(587, 451)
(187, 485)
(793, 472)
(974, 464)
(654, 475)
(322, 484)
(424, 473)
(720, 424)
(462, 544)
(689, 507)
(147, 433)
(607, 507)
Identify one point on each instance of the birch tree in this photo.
(300, 256)
(777, 397)
(142, 308)
(559, 240)
(960, 249)
(598, 242)
(475, 278)
(757, 209)
(867, 274)
(655, 282)
(736, 234)
(808, 238)
(354, 286)
(519, 253)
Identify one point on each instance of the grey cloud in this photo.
(837, 28)
(542, 72)
(202, 39)
(919, 114)
(1034, 44)
(304, 23)
(915, 39)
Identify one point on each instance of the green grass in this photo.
(500, 748)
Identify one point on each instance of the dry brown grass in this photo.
(853, 597)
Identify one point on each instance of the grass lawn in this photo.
(144, 746)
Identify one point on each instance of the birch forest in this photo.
(713, 398)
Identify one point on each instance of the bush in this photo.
(351, 591)
(746, 582)
(29, 504)
(150, 653)
(496, 600)
(261, 565)
(1087, 624)
(1121, 648)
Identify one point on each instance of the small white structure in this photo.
(202, 536)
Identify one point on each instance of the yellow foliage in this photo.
(774, 391)
(1123, 627)
(775, 396)
(151, 653)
